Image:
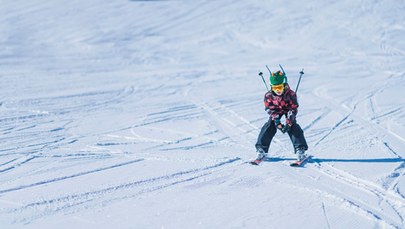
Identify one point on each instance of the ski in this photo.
(256, 161)
(299, 163)
(293, 164)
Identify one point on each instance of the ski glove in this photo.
(278, 124)
(285, 128)
(290, 118)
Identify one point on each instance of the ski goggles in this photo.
(277, 88)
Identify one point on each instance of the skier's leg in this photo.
(297, 137)
(266, 135)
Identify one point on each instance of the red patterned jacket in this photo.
(285, 104)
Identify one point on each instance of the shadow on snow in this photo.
(320, 160)
(371, 160)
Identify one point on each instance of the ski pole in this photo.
(282, 69)
(268, 69)
(299, 81)
(264, 81)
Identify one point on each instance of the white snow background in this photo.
(144, 114)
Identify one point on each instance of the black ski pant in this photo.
(269, 130)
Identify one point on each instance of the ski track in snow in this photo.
(365, 122)
(228, 121)
(65, 203)
(96, 142)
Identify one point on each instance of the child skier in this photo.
(281, 101)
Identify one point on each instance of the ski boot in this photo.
(261, 155)
(300, 154)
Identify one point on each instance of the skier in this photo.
(281, 101)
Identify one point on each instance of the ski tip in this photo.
(300, 163)
(255, 162)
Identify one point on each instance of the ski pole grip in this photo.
(299, 81)
(264, 81)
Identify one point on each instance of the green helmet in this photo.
(277, 78)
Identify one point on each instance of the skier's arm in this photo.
(293, 109)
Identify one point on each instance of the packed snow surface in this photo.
(144, 114)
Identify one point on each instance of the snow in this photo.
(144, 114)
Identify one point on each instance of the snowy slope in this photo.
(143, 114)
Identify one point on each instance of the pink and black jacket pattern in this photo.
(278, 105)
